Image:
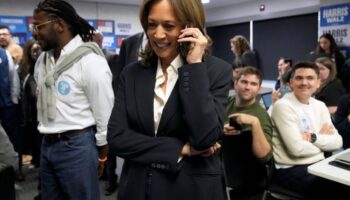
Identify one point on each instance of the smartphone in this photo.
(184, 48)
(233, 122)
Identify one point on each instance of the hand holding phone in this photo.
(233, 122)
(192, 44)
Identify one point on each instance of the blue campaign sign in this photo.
(335, 15)
(105, 26)
(19, 38)
(109, 41)
(16, 24)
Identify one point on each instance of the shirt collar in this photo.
(70, 46)
(175, 65)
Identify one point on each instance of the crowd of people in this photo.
(162, 105)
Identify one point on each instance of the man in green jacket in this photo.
(247, 146)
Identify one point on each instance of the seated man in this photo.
(302, 132)
(245, 151)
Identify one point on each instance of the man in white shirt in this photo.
(74, 103)
(302, 132)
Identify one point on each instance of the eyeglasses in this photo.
(4, 34)
(35, 28)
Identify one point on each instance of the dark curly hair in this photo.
(65, 11)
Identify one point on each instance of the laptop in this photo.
(342, 161)
(267, 99)
(345, 157)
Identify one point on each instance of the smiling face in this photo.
(247, 87)
(163, 31)
(45, 35)
(304, 83)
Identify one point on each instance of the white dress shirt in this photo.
(84, 95)
(160, 98)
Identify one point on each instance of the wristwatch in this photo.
(313, 137)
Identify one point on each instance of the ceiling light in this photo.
(205, 1)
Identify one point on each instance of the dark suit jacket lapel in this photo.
(170, 108)
(144, 90)
(135, 49)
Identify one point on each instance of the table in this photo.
(325, 170)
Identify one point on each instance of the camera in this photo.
(233, 123)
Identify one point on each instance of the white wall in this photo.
(238, 13)
(104, 11)
(245, 12)
(333, 2)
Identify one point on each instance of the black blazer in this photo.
(112, 60)
(129, 52)
(193, 113)
(249, 59)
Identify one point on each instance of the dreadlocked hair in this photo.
(62, 9)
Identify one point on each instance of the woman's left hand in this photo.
(198, 44)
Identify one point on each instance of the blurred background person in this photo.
(284, 64)
(331, 89)
(241, 49)
(111, 57)
(342, 120)
(7, 43)
(327, 47)
(31, 135)
(9, 97)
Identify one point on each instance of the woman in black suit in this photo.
(170, 107)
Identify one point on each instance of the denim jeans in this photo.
(69, 168)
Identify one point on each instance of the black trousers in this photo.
(7, 183)
(313, 187)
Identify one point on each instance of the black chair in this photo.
(7, 183)
(275, 189)
(244, 174)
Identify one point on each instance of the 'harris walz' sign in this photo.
(335, 20)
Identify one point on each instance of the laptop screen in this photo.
(267, 99)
